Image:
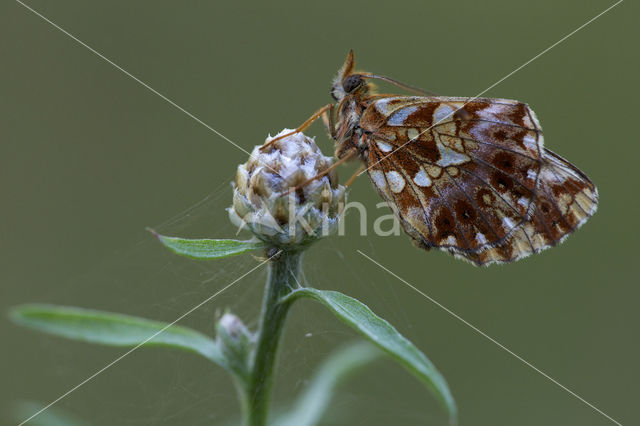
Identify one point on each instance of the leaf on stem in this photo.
(203, 248)
(313, 403)
(357, 315)
(113, 329)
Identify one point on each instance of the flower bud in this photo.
(235, 341)
(271, 197)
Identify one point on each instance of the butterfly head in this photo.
(348, 82)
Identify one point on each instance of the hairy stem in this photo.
(283, 273)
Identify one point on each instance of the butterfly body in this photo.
(467, 175)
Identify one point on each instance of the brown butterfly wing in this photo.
(565, 199)
(473, 182)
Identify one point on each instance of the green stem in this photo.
(283, 273)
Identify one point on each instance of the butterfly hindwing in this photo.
(473, 178)
(565, 199)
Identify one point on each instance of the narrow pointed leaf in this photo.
(113, 329)
(380, 332)
(203, 248)
(313, 403)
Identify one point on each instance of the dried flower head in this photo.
(272, 200)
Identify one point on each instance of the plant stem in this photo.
(283, 273)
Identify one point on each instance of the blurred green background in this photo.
(88, 158)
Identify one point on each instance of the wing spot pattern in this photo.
(421, 178)
(396, 181)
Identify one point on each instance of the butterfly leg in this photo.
(355, 175)
(328, 119)
(325, 172)
(303, 126)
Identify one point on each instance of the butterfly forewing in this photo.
(472, 177)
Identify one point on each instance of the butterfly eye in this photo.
(351, 83)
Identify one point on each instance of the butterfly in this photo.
(470, 176)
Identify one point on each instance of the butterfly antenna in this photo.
(399, 84)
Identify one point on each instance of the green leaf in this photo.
(206, 248)
(112, 329)
(313, 403)
(379, 331)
